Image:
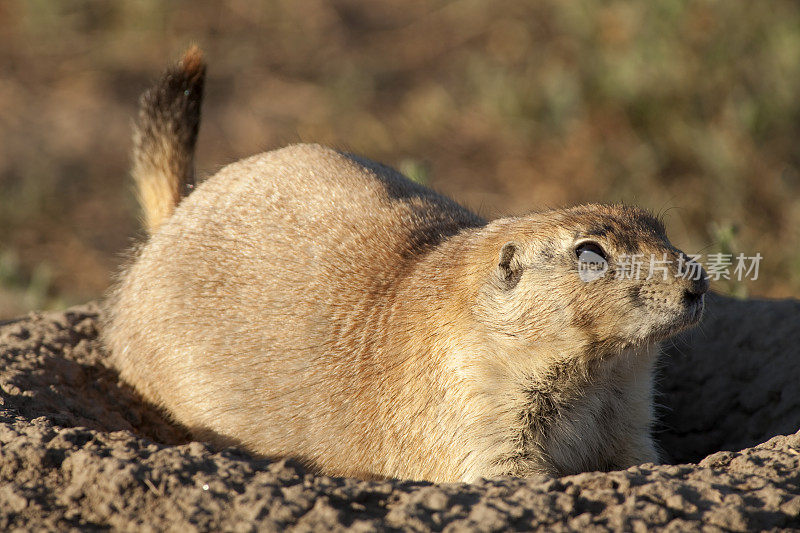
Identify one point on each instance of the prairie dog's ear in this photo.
(509, 266)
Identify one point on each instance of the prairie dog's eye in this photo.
(589, 246)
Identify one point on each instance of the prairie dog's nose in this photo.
(696, 282)
(697, 287)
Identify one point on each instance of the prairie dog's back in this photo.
(253, 312)
(252, 274)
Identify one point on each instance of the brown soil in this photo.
(79, 450)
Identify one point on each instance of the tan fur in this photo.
(309, 303)
(164, 138)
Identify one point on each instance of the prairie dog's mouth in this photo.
(668, 321)
(688, 316)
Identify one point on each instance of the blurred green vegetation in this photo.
(30, 290)
(687, 108)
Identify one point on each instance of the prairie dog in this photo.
(310, 303)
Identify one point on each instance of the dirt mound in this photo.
(80, 450)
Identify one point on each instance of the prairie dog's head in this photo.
(599, 278)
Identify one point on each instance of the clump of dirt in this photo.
(79, 449)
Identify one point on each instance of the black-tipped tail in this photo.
(164, 138)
